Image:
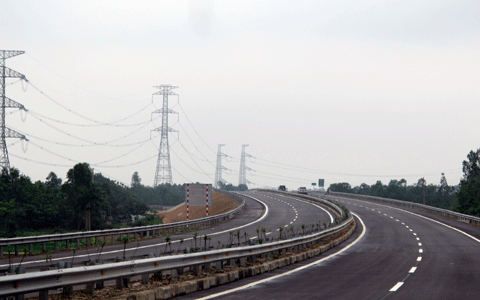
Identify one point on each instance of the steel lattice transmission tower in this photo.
(163, 173)
(220, 168)
(243, 167)
(7, 103)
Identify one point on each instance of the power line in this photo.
(316, 171)
(88, 141)
(205, 159)
(72, 83)
(186, 117)
(92, 125)
(205, 173)
(82, 116)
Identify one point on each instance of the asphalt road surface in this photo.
(393, 254)
(267, 210)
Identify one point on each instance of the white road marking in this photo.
(462, 232)
(385, 214)
(414, 233)
(418, 239)
(420, 250)
(403, 223)
(406, 226)
(419, 258)
(420, 244)
(253, 237)
(397, 220)
(160, 244)
(396, 287)
(291, 271)
(411, 229)
(391, 217)
(412, 270)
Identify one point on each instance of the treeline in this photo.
(463, 198)
(53, 206)
(164, 194)
(442, 195)
(230, 187)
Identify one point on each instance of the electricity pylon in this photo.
(8, 103)
(243, 167)
(220, 168)
(163, 173)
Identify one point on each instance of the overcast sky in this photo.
(353, 91)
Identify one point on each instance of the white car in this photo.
(302, 190)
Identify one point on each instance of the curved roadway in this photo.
(393, 254)
(267, 210)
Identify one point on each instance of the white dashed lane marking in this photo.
(396, 287)
(412, 270)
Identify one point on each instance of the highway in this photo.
(267, 210)
(393, 254)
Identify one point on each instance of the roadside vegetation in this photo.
(53, 206)
(463, 198)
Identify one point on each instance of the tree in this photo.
(342, 187)
(53, 182)
(378, 189)
(468, 197)
(81, 192)
(136, 180)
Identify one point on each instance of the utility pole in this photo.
(220, 168)
(163, 172)
(243, 167)
(8, 103)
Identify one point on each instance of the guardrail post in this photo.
(119, 283)
(113, 239)
(56, 246)
(67, 244)
(1, 251)
(16, 250)
(145, 278)
(89, 289)
(78, 243)
(43, 295)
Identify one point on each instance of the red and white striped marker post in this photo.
(188, 197)
(207, 199)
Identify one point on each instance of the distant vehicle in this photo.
(302, 190)
(282, 188)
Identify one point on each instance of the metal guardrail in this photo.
(144, 230)
(53, 279)
(312, 199)
(444, 212)
(19, 284)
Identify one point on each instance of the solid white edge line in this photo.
(160, 244)
(291, 271)
(438, 222)
(396, 287)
